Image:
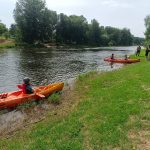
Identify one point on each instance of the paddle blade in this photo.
(40, 95)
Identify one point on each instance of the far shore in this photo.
(5, 44)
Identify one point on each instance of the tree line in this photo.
(147, 32)
(35, 24)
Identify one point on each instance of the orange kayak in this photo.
(16, 98)
(122, 60)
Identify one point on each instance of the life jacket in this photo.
(23, 88)
(26, 88)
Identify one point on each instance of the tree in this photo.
(34, 21)
(62, 29)
(71, 30)
(147, 25)
(114, 35)
(119, 37)
(138, 41)
(95, 33)
(3, 28)
(77, 29)
(126, 37)
(47, 25)
(13, 30)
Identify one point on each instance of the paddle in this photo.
(40, 95)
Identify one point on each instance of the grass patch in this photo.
(27, 105)
(109, 109)
(54, 98)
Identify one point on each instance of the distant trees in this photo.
(147, 32)
(3, 28)
(13, 30)
(94, 33)
(35, 23)
(138, 41)
(126, 37)
(71, 29)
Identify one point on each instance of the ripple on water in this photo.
(45, 66)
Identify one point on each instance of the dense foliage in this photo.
(3, 28)
(37, 24)
(147, 33)
(138, 41)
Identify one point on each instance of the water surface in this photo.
(45, 66)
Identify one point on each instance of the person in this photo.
(146, 53)
(126, 57)
(138, 51)
(112, 56)
(26, 86)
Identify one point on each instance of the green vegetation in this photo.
(147, 32)
(36, 24)
(3, 28)
(9, 43)
(54, 98)
(107, 110)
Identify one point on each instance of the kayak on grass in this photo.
(122, 60)
(13, 99)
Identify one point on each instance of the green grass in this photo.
(54, 98)
(4, 46)
(107, 107)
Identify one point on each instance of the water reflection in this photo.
(45, 66)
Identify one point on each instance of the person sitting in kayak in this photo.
(126, 57)
(112, 56)
(26, 86)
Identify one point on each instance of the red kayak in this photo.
(122, 60)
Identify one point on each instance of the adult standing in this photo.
(147, 53)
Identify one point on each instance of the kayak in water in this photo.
(122, 60)
(13, 99)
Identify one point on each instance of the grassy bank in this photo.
(105, 111)
(6, 43)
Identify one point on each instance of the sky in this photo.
(116, 13)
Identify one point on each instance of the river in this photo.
(45, 66)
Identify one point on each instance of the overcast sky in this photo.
(116, 13)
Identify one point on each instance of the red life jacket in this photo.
(23, 88)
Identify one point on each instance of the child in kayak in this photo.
(112, 56)
(126, 57)
(26, 86)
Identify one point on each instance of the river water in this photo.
(45, 66)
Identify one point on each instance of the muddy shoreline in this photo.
(20, 118)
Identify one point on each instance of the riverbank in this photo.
(4, 44)
(102, 111)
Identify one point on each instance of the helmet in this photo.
(26, 80)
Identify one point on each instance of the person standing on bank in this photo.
(147, 53)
